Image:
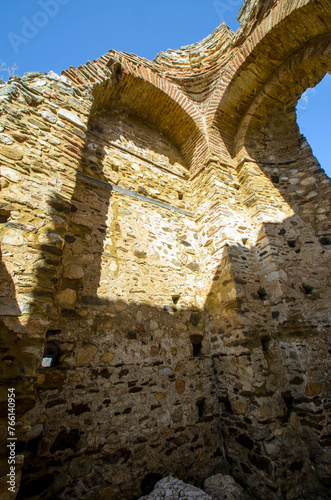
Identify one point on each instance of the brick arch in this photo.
(142, 100)
(129, 84)
(287, 28)
(304, 69)
(145, 72)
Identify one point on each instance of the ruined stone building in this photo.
(166, 242)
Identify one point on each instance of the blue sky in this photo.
(44, 35)
(314, 119)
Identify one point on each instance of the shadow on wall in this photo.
(269, 379)
(259, 374)
(286, 159)
(130, 392)
(23, 325)
(109, 365)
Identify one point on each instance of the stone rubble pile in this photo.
(218, 487)
(171, 488)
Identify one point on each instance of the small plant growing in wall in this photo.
(6, 71)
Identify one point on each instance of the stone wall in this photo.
(165, 235)
(42, 122)
(126, 317)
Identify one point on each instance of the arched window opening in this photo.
(313, 116)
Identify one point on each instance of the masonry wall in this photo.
(42, 131)
(127, 395)
(165, 270)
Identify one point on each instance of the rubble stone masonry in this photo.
(166, 249)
